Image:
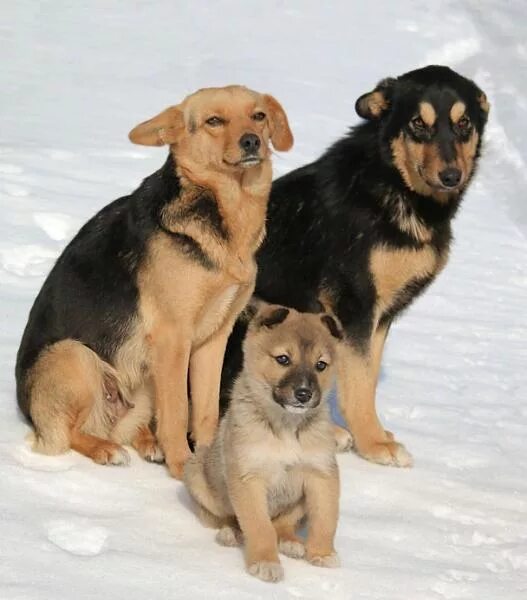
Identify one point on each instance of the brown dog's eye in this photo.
(418, 123)
(258, 116)
(321, 365)
(283, 360)
(215, 121)
(463, 124)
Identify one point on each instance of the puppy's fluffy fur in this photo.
(273, 459)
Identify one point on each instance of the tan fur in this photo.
(270, 468)
(376, 103)
(457, 111)
(186, 310)
(484, 103)
(393, 269)
(427, 113)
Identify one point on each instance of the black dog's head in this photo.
(431, 122)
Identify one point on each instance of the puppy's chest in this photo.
(395, 270)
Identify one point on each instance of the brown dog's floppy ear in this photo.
(161, 130)
(483, 102)
(374, 104)
(281, 135)
(331, 325)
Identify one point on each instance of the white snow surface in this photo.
(75, 78)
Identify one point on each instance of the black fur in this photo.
(91, 293)
(325, 218)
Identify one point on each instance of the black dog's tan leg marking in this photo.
(170, 361)
(249, 500)
(322, 507)
(286, 526)
(68, 403)
(357, 382)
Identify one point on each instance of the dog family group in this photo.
(131, 336)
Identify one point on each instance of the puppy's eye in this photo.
(215, 121)
(321, 365)
(283, 360)
(463, 124)
(258, 116)
(417, 123)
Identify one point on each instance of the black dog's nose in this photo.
(450, 177)
(249, 143)
(303, 394)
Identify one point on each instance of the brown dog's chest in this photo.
(394, 270)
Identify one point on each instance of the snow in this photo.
(75, 78)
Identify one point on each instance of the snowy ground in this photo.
(75, 77)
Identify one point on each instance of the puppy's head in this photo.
(431, 122)
(222, 129)
(290, 357)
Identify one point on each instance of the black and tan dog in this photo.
(273, 461)
(144, 297)
(367, 227)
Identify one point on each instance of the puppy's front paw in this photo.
(292, 548)
(267, 571)
(330, 561)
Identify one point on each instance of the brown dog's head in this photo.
(290, 357)
(431, 121)
(222, 129)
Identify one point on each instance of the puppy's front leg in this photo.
(322, 508)
(248, 496)
(170, 360)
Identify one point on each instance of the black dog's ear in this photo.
(271, 316)
(331, 325)
(374, 104)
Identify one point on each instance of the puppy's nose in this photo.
(303, 394)
(249, 143)
(450, 177)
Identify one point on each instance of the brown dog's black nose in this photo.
(303, 394)
(249, 143)
(450, 177)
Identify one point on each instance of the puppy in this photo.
(272, 461)
(143, 299)
(366, 228)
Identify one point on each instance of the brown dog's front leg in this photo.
(322, 507)
(169, 371)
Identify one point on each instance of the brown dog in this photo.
(143, 299)
(273, 462)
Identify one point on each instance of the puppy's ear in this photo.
(281, 135)
(483, 102)
(374, 104)
(270, 316)
(160, 130)
(331, 325)
(250, 310)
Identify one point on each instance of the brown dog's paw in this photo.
(267, 571)
(343, 439)
(151, 451)
(329, 561)
(108, 453)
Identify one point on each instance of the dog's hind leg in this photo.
(67, 403)
(286, 524)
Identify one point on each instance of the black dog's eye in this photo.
(463, 124)
(321, 365)
(258, 116)
(282, 359)
(215, 121)
(418, 123)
